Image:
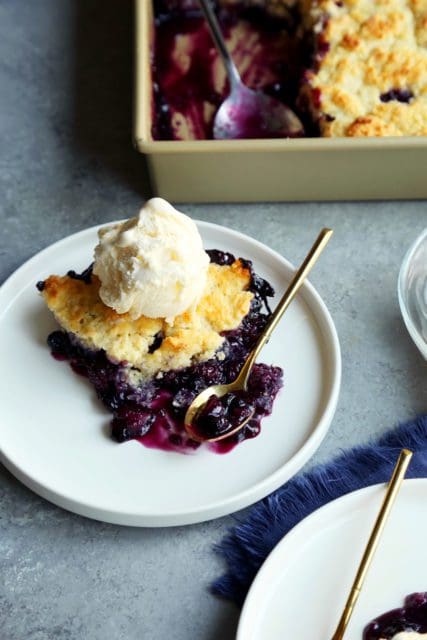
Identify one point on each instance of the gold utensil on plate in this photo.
(389, 498)
(239, 384)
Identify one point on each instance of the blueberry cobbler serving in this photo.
(348, 68)
(155, 320)
(406, 623)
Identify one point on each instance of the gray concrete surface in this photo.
(66, 163)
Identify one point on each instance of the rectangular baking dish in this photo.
(269, 170)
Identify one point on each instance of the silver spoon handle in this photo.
(215, 29)
(288, 296)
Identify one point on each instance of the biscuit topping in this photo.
(151, 345)
(370, 73)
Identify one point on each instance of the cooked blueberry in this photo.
(211, 420)
(411, 617)
(220, 257)
(85, 276)
(416, 600)
(239, 408)
(40, 285)
(129, 424)
(158, 339)
(212, 409)
(252, 429)
(181, 401)
(59, 343)
(401, 95)
(111, 397)
(220, 415)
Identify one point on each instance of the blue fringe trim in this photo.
(247, 545)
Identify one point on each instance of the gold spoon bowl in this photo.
(240, 383)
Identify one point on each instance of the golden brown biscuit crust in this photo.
(366, 50)
(193, 336)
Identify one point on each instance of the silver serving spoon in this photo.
(240, 383)
(246, 113)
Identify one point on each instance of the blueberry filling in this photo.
(153, 411)
(411, 617)
(221, 415)
(400, 95)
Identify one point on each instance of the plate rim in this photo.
(235, 502)
(297, 531)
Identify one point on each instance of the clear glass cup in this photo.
(412, 291)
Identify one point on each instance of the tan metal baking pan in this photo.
(270, 170)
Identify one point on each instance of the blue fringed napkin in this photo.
(248, 544)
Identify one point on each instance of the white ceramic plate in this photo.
(54, 432)
(302, 587)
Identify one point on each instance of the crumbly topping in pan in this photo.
(369, 76)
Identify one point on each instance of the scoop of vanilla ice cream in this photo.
(152, 265)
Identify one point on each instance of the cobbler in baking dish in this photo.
(147, 370)
(348, 68)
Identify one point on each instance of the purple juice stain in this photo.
(186, 96)
(411, 617)
(153, 413)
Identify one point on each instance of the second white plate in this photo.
(302, 587)
(55, 434)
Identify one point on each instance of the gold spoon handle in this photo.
(389, 498)
(284, 303)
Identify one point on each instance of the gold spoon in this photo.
(389, 498)
(240, 383)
